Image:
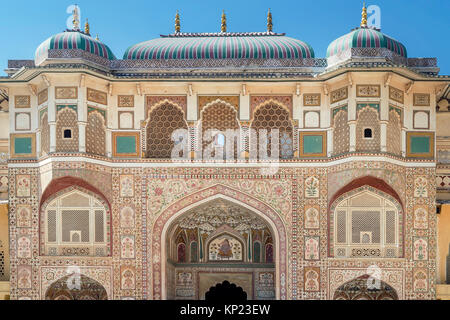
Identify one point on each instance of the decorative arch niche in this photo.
(96, 132)
(163, 226)
(365, 288)
(221, 116)
(223, 232)
(163, 119)
(268, 116)
(366, 222)
(75, 220)
(88, 289)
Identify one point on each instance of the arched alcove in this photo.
(75, 220)
(365, 288)
(76, 287)
(366, 220)
(225, 233)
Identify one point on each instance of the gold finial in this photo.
(97, 38)
(86, 28)
(177, 23)
(224, 22)
(76, 18)
(364, 16)
(269, 22)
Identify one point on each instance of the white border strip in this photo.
(135, 164)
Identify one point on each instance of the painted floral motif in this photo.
(312, 248)
(23, 187)
(420, 249)
(126, 186)
(420, 217)
(127, 243)
(421, 187)
(274, 193)
(312, 187)
(24, 247)
(184, 279)
(127, 217)
(128, 278)
(266, 279)
(312, 218)
(312, 279)
(420, 280)
(23, 216)
(24, 277)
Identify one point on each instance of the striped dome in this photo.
(366, 38)
(219, 46)
(73, 40)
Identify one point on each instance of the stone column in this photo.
(38, 143)
(295, 139)
(192, 108)
(192, 140)
(52, 118)
(82, 119)
(352, 125)
(352, 116)
(330, 140)
(245, 140)
(404, 142)
(108, 142)
(82, 136)
(244, 107)
(383, 135)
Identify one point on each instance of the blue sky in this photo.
(421, 25)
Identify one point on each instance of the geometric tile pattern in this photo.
(96, 133)
(163, 121)
(45, 134)
(367, 118)
(67, 118)
(341, 133)
(218, 116)
(394, 132)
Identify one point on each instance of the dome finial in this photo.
(177, 23)
(87, 28)
(224, 22)
(97, 38)
(269, 22)
(364, 16)
(76, 18)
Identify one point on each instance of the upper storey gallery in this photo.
(228, 92)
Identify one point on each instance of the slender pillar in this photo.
(383, 135)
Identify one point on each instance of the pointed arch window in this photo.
(366, 225)
(76, 224)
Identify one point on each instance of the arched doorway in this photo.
(220, 240)
(76, 287)
(226, 292)
(365, 288)
(159, 282)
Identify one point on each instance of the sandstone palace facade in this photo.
(348, 196)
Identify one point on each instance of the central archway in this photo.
(162, 227)
(218, 241)
(226, 292)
